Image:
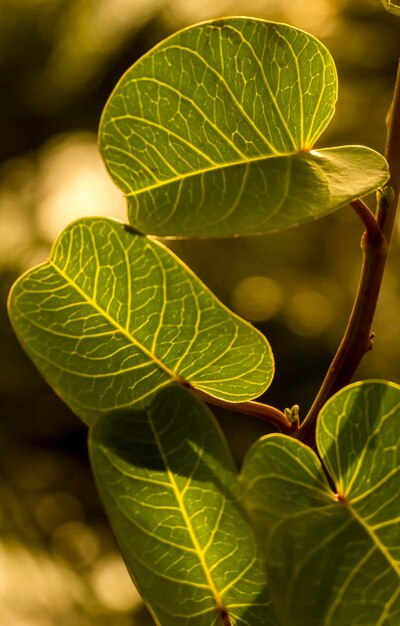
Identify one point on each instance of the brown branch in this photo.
(369, 220)
(357, 339)
(256, 409)
(386, 215)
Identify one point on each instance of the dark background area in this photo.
(59, 60)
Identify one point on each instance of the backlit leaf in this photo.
(333, 557)
(171, 491)
(210, 133)
(114, 316)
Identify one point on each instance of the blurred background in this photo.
(59, 60)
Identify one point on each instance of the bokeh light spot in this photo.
(257, 298)
(75, 543)
(308, 313)
(73, 183)
(55, 509)
(113, 586)
(30, 469)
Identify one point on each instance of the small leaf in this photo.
(169, 486)
(210, 133)
(333, 558)
(114, 316)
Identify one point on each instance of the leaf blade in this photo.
(326, 542)
(298, 189)
(187, 133)
(114, 316)
(166, 467)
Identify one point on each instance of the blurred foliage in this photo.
(59, 60)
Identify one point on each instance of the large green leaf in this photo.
(210, 133)
(170, 488)
(333, 557)
(114, 315)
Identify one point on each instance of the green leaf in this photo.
(210, 133)
(333, 557)
(114, 316)
(170, 488)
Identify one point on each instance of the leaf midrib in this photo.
(221, 166)
(115, 324)
(200, 553)
(382, 548)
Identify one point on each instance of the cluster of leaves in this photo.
(212, 134)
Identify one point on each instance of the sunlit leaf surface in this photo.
(170, 488)
(210, 133)
(333, 557)
(114, 316)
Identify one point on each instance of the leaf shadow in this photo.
(175, 433)
(175, 439)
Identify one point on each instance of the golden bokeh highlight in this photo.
(73, 183)
(113, 586)
(257, 298)
(308, 313)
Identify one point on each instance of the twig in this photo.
(369, 220)
(387, 211)
(256, 409)
(357, 339)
